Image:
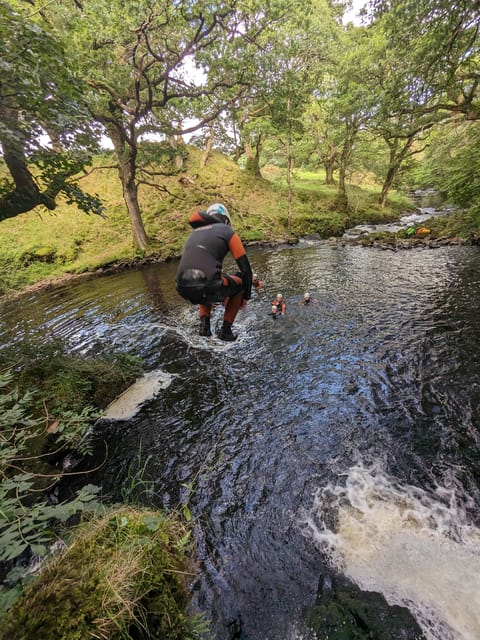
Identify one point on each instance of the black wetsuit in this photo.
(199, 274)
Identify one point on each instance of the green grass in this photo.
(63, 381)
(121, 574)
(42, 245)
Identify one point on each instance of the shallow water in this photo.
(308, 437)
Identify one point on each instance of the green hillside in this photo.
(41, 245)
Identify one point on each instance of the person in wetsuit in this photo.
(280, 303)
(199, 275)
(256, 282)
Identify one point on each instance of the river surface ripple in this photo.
(266, 438)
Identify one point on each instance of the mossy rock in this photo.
(345, 612)
(124, 575)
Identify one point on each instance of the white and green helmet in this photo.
(218, 209)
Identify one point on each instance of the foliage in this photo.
(65, 381)
(160, 68)
(437, 42)
(40, 101)
(123, 575)
(463, 178)
(45, 404)
(26, 522)
(450, 163)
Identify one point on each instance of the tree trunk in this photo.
(208, 148)
(328, 164)
(126, 158)
(289, 165)
(289, 183)
(342, 197)
(387, 183)
(26, 195)
(253, 158)
(177, 142)
(130, 196)
(395, 162)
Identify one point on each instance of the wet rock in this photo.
(343, 611)
(71, 461)
(235, 628)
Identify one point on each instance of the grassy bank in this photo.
(41, 245)
(123, 575)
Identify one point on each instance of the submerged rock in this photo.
(343, 611)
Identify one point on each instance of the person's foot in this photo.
(205, 326)
(226, 332)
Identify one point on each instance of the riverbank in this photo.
(123, 572)
(440, 233)
(40, 248)
(125, 566)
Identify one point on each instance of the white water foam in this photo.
(417, 549)
(187, 330)
(128, 403)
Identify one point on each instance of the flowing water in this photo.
(342, 438)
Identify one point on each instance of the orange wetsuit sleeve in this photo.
(196, 219)
(236, 247)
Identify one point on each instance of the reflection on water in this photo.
(385, 366)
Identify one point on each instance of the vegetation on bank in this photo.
(122, 574)
(125, 569)
(49, 400)
(43, 245)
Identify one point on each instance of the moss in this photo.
(69, 381)
(44, 254)
(356, 615)
(123, 574)
(323, 225)
(252, 235)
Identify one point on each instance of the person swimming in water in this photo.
(256, 282)
(307, 299)
(280, 303)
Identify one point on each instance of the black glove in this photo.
(247, 276)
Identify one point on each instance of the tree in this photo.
(39, 93)
(401, 128)
(323, 136)
(450, 163)
(351, 102)
(426, 72)
(438, 43)
(137, 63)
(295, 63)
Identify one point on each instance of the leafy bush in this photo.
(49, 400)
(25, 521)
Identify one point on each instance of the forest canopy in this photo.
(293, 84)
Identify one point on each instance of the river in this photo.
(343, 438)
